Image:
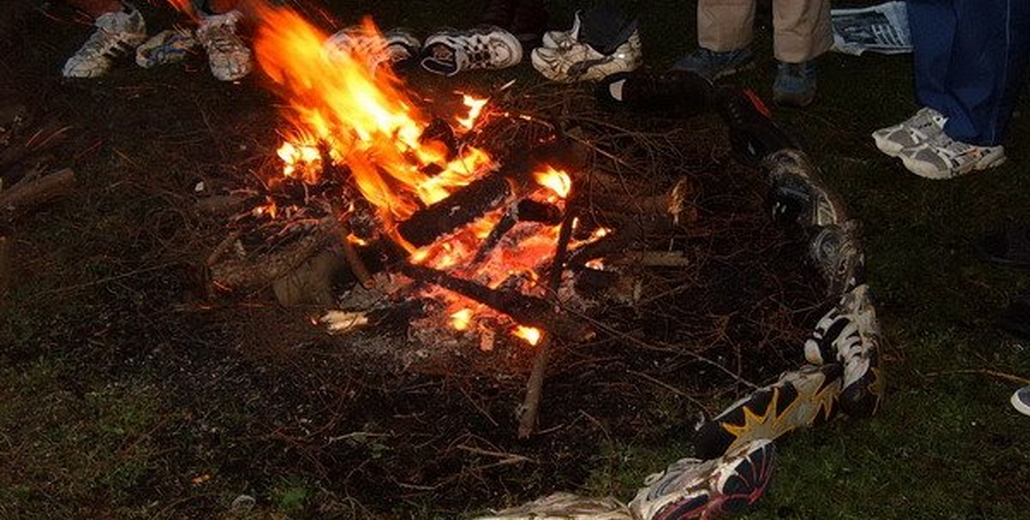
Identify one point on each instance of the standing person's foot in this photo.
(449, 51)
(1021, 400)
(117, 34)
(714, 65)
(227, 55)
(942, 157)
(795, 84)
(914, 131)
(603, 41)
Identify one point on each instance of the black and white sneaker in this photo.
(117, 34)
(449, 51)
(602, 41)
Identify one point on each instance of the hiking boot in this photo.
(449, 51)
(675, 93)
(1010, 247)
(942, 157)
(1021, 400)
(228, 56)
(714, 65)
(914, 131)
(168, 46)
(117, 34)
(397, 47)
(794, 85)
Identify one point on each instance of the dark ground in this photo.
(128, 393)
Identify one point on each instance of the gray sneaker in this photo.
(1021, 400)
(914, 131)
(714, 65)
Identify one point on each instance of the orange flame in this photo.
(344, 112)
(363, 116)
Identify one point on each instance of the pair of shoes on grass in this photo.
(795, 83)
(601, 42)
(121, 32)
(927, 151)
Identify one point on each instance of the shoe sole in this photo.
(937, 175)
(1019, 405)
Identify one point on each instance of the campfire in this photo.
(491, 240)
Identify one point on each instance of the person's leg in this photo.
(120, 29)
(801, 29)
(987, 69)
(970, 60)
(725, 25)
(724, 33)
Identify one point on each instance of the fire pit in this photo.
(501, 232)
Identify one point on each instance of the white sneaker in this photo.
(1021, 400)
(914, 131)
(117, 34)
(228, 56)
(944, 158)
(557, 39)
(577, 61)
(168, 46)
(449, 52)
(395, 46)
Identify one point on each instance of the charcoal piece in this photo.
(534, 211)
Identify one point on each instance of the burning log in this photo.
(476, 199)
(526, 310)
(31, 193)
(527, 210)
(250, 274)
(461, 208)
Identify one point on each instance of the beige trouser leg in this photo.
(725, 25)
(801, 28)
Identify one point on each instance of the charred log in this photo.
(526, 310)
(463, 207)
(29, 194)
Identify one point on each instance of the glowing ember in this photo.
(475, 108)
(530, 334)
(557, 181)
(460, 320)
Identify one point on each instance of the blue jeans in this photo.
(970, 59)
